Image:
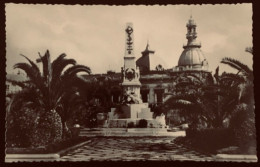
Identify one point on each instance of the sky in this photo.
(94, 35)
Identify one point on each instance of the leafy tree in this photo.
(48, 92)
(98, 98)
(101, 89)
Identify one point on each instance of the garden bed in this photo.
(52, 148)
(214, 141)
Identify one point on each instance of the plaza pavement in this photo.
(134, 149)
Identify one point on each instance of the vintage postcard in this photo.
(129, 83)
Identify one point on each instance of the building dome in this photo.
(191, 57)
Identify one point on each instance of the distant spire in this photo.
(147, 45)
(147, 50)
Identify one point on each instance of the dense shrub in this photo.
(210, 139)
(130, 125)
(142, 123)
(25, 128)
(240, 133)
(83, 116)
(20, 125)
(243, 126)
(48, 130)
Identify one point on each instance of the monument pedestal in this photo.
(134, 113)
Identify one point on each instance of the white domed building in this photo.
(192, 58)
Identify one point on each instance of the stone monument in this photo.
(132, 109)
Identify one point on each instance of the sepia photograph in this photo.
(129, 83)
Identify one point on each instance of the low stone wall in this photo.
(123, 123)
(131, 132)
(146, 130)
(41, 157)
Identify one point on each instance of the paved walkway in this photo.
(128, 149)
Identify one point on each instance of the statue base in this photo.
(129, 115)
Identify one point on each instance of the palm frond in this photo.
(31, 73)
(231, 76)
(27, 69)
(249, 50)
(231, 80)
(34, 66)
(59, 64)
(46, 62)
(25, 96)
(57, 69)
(59, 59)
(237, 65)
(22, 84)
(194, 78)
(76, 69)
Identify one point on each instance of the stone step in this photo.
(100, 129)
(115, 133)
(123, 131)
(101, 133)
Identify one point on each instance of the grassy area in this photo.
(52, 148)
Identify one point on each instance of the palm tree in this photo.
(244, 121)
(48, 90)
(242, 69)
(204, 104)
(245, 76)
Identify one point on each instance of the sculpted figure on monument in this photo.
(130, 74)
(130, 98)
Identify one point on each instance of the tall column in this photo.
(130, 72)
(151, 95)
(164, 91)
